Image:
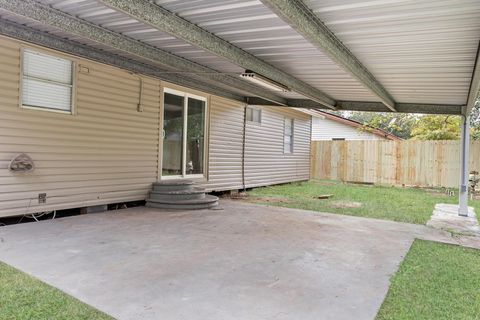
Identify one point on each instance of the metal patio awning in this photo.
(377, 55)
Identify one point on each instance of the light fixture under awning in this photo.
(263, 81)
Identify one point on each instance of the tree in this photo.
(399, 124)
(420, 127)
(475, 121)
(434, 127)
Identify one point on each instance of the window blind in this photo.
(47, 81)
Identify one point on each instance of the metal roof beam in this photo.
(474, 91)
(44, 39)
(401, 107)
(46, 15)
(166, 21)
(255, 101)
(367, 106)
(300, 17)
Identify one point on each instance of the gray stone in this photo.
(179, 194)
(94, 209)
(206, 202)
(445, 217)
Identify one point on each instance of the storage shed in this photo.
(328, 126)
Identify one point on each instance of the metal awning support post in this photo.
(464, 158)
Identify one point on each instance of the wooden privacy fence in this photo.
(414, 163)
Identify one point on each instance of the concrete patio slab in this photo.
(445, 217)
(243, 262)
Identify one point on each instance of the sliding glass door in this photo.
(195, 133)
(172, 135)
(184, 126)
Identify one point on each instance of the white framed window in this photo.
(254, 115)
(47, 82)
(288, 135)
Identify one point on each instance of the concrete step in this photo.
(194, 193)
(173, 185)
(194, 204)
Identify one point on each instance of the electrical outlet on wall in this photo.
(42, 198)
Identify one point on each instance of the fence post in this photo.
(464, 158)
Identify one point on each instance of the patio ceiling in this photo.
(378, 55)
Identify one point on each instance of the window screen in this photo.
(46, 81)
(254, 115)
(288, 136)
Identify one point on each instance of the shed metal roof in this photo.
(420, 51)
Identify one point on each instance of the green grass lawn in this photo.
(24, 297)
(435, 281)
(393, 203)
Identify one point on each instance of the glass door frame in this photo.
(186, 96)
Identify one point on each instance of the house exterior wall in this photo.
(326, 129)
(265, 160)
(104, 153)
(109, 152)
(225, 145)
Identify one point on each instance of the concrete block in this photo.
(94, 209)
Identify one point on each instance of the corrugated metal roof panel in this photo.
(420, 50)
(97, 13)
(246, 24)
(54, 31)
(254, 28)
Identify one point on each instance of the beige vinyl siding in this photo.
(265, 160)
(225, 144)
(106, 152)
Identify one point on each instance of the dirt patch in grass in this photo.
(438, 194)
(411, 205)
(345, 204)
(271, 199)
(327, 183)
(234, 196)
